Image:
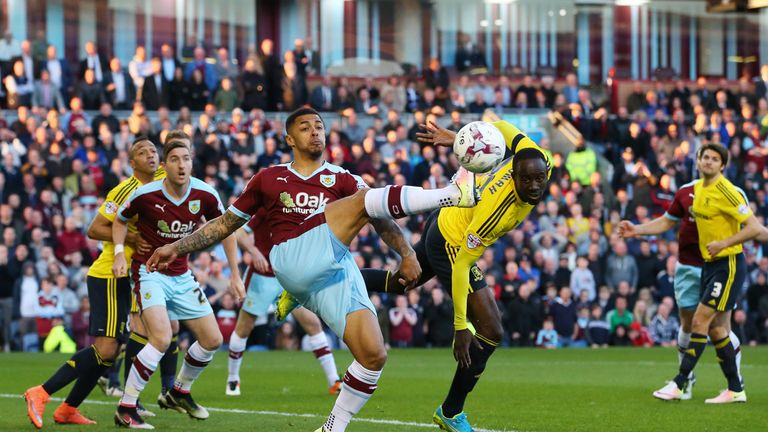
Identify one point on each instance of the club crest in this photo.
(328, 180)
(194, 206)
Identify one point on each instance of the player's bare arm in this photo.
(410, 269)
(750, 230)
(101, 229)
(434, 134)
(657, 226)
(119, 232)
(763, 236)
(246, 243)
(209, 234)
(236, 287)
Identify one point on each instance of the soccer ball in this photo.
(479, 146)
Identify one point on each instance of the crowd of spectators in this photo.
(563, 279)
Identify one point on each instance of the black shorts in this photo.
(110, 304)
(436, 257)
(722, 280)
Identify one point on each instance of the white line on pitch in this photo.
(279, 413)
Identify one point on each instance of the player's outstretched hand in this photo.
(409, 272)
(161, 258)
(120, 266)
(627, 229)
(236, 288)
(434, 134)
(462, 340)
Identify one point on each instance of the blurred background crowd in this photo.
(564, 279)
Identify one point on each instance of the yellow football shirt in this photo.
(470, 230)
(102, 267)
(719, 210)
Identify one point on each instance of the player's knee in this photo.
(160, 342)
(374, 360)
(108, 348)
(212, 342)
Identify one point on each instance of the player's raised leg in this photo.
(318, 342)
(347, 216)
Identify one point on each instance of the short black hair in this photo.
(137, 140)
(530, 153)
(296, 114)
(172, 145)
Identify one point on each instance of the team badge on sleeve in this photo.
(110, 207)
(743, 209)
(473, 241)
(194, 206)
(328, 180)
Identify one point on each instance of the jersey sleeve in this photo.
(250, 199)
(517, 140)
(110, 206)
(214, 208)
(676, 211)
(130, 207)
(734, 204)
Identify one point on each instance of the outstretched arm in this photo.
(209, 234)
(410, 269)
(657, 226)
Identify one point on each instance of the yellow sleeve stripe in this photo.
(728, 195)
(125, 191)
(495, 217)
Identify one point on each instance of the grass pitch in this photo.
(521, 390)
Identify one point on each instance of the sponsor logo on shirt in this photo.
(477, 274)
(175, 230)
(303, 203)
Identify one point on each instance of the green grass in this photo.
(521, 390)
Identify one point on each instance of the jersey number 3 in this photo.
(718, 287)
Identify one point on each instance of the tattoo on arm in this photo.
(393, 236)
(211, 233)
